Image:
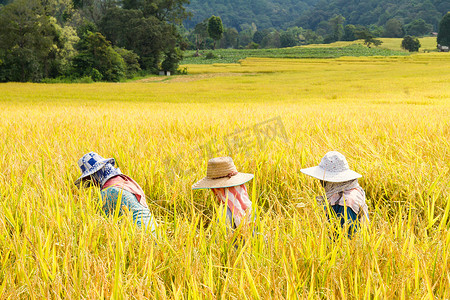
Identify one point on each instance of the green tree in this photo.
(30, 42)
(252, 45)
(368, 38)
(336, 25)
(97, 56)
(215, 28)
(418, 27)
(288, 39)
(371, 12)
(230, 38)
(148, 36)
(259, 35)
(168, 11)
(349, 33)
(93, 10)
(443, 37)
(312, 37)
(131, 60)
(393, 29)
(272, 40)
(61, 10)
(63, 50)
(374, 29)
(201, 33)
(171, 60)
(323, 28)
(410, 43)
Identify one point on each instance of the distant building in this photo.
(434, 34)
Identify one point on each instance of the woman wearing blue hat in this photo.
(345, 196)
(114, 186)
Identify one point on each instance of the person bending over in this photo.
(115, 186)
(228, 185)
(345, 197)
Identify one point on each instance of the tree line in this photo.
(309, 14)
(334, 29)
(111, 40)
(89, 39)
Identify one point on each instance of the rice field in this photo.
(389, 47)
(388, 115)
(427, 43)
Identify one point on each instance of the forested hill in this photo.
(309, 13)
(264, 13)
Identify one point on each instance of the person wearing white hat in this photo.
(343, 192)
(115, 186)
(228, 185)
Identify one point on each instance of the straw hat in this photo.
(222, 173)
(332, 168)
(91, 163)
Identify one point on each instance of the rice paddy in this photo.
(389, 47)
(388, 115)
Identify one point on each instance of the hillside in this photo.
(264, 13)
(375, 12)
(309, 13)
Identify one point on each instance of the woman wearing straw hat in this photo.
(115, 188)
(228, 185)
(343, 192)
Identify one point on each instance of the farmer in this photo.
(345, 196)
(228, 185)
(114, 185)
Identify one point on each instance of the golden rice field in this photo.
(389, 116)
(427, 43)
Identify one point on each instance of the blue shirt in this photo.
(141, 215)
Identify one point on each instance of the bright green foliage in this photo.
(234, 55)
(410, 43)
(215, 28)
(97, 58)
(131, 60)
(37, 40)
(32, 45)
(252, 45)
(443, 37)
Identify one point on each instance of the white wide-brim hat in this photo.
(332, 168)
(222, 173)
(91, 163)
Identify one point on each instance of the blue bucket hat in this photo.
(91, 163)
